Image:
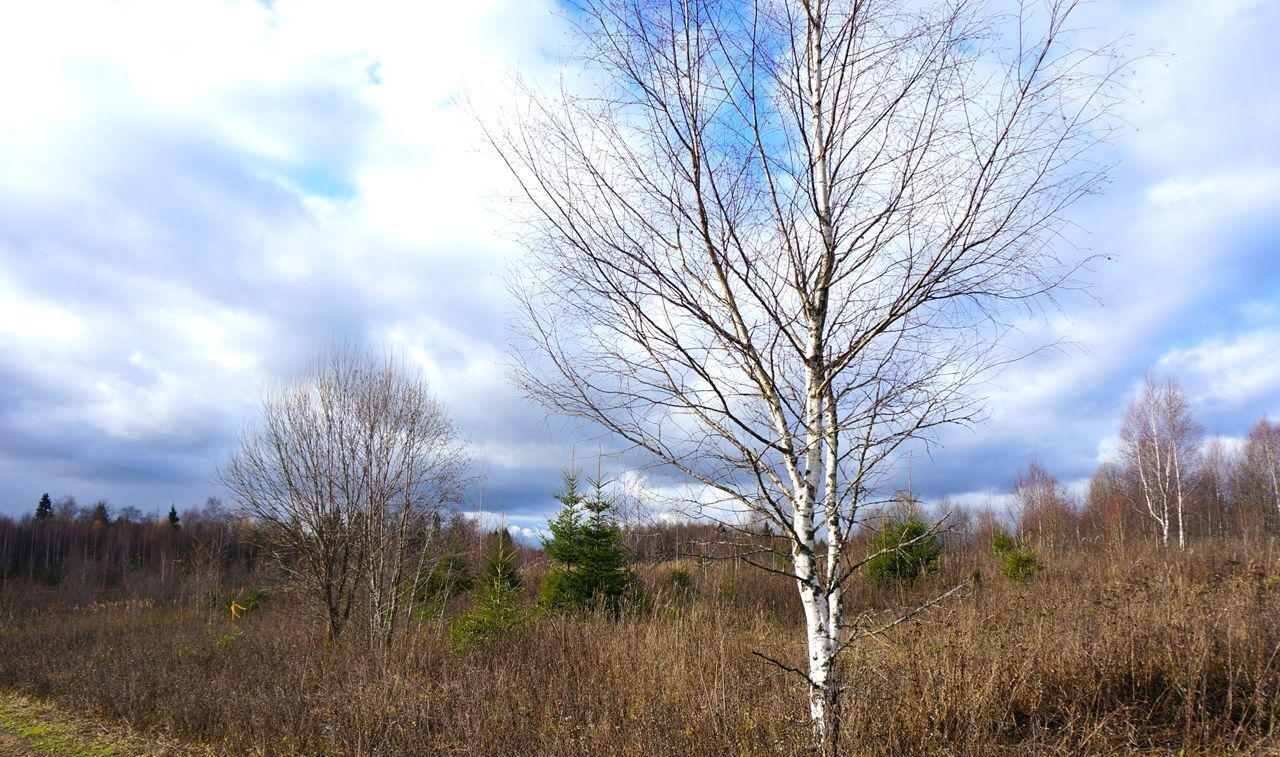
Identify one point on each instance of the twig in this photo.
(785, 667)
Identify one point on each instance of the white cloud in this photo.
(195, 197)
(1109, 449)
(527, 535)
(997, 501)
(1239, 370)
(1239, 189)
(1190, 228)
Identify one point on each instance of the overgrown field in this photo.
(1104, 651)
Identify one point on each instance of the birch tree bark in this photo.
(769, 243)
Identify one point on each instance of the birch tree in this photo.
(768, 243)
(1259, 466)
(1160, 445)
(1217, 513)
(1044, 508)
(343, 472)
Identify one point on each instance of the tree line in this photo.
(63, 543)
(1168, 482)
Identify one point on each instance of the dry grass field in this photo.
(1106, 651)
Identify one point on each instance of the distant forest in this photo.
(1228, 491)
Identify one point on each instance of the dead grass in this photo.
(1103, 653)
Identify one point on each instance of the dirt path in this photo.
(12, 746)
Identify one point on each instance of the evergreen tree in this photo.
(586, 547)
(909, 549)
(498, 612)
(564, 546)
(450, 575)
(99, 513)
(498, 608)
(174, 519)
(502, 569)
(45, 508)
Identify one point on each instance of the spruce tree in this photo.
(99, 513)
(564, 545)
(498, 612)
(174, 519)
(908, 550)
(498, 608)
(586, 547)
(44, 509)
(501, 569)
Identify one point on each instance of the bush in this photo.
(681, 581)
(498, 612)
(227, 639)
(449, 576)
(1017, 563)
(254, 598)
(908, 550)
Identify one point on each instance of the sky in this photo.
(197, 198)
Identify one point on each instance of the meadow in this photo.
(1109, 649)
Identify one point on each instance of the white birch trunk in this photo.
(1273, 465)
(1177, 484)
(1153, 485)
(817, 608)
(1147, 484)
(821, 606)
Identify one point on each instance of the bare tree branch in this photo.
(770, 243)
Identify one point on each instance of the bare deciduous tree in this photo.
(1216, 514)
(1044, 508)
(1108, 512)
(769, 243)
(342, 471)
(1160, 445)
(1258, 469)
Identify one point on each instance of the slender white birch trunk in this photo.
(817, 610)
(1177, 485)
(1273, 465)
(821, 599)
(1155, 490)
(1147, 483)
